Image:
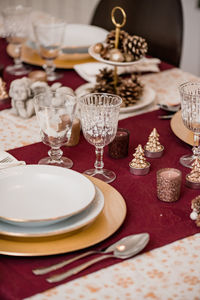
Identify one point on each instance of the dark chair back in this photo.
(160, 22)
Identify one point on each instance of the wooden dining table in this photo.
(169, 266)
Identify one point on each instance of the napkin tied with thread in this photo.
(11, 161)
(88, 71)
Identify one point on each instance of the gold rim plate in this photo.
(110, 219)
(180, 130)
(64, 61)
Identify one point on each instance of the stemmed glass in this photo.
(99, 118)
(190, 109)
(16, 29)
(49, 37)
(55, 115)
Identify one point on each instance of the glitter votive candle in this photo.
(168, 184)
(118, 148)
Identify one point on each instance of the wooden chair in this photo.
(160, 22)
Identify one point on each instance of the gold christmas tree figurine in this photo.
(153, 148)
(139, 165)
(3, 93)
(193, 178)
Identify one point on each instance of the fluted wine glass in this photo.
(15, 20)
(55, 114)
(49, 36)
(190, 109)
(99, 119)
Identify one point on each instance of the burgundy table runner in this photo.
(165, 222)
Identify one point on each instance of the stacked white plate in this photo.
(79, 37)
(39, 200)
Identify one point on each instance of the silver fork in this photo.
(63, 263)
(6, 159)
(10, 162)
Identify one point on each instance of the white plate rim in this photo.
(86, 27)
(98, 57)
(149, 97)
(91, 213)
(51, 169)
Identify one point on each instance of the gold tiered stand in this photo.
(117, 33)
(115, 63)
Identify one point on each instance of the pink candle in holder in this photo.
(168, 184)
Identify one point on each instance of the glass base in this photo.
(64, 162)
(187, 160)
(54, 76)
(105, 175)
(18, 70)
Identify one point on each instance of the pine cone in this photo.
(110, 39)
(135, 45)
(104, 82)
(103, 88)
(130, 90)
(105, 76)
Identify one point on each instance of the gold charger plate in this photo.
(64, 61)
(180, 130)
(110, 219)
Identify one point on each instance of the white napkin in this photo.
(89, 71)
(13, 163)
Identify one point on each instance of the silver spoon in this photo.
(170, 108)
(165, 117)
(111, 248)
(127, 247)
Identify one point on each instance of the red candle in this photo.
(119, 146)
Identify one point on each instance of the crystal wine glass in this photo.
(190, 109)
(55, 115)
(99, 118)
(49, 37)
(16, 30)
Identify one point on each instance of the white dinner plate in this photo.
(79, 37)
(67, 225)
(147, 97)
(36, 195)
(98, 57)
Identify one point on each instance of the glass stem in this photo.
(196, 148)
(49, 67)
(17, 60)
(55, 154)
(99, 159)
